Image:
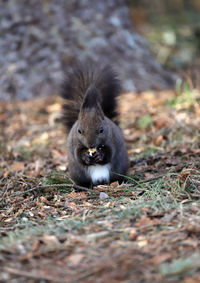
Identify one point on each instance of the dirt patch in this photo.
(144, 230)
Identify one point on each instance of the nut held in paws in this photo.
(91, 151)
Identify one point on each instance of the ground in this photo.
(145, 230)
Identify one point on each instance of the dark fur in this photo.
(77, 80)
(90, 106)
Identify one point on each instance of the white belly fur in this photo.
(99, 173)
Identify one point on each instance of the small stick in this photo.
(81, 198)
(32, 275)
(2, 229)
(53, 185)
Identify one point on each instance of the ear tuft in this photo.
(92, 98)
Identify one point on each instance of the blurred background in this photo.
(150, 43)
(172, 28)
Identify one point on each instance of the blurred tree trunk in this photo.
(40, 38)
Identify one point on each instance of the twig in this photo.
(5, 191)
(77, 187)
(31, 274)
(83, 189)
(53, 185)
(2, 229)
(67, 185)
(153, 178)
(81, 198)
(86, 274)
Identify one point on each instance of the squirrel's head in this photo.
(92, 126)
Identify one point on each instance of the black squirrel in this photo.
(96, 148)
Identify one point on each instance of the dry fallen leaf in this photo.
(159, 140)
(42, 139)
(100, 188)
(53, 107)
(142, 241)
(73, 206)
(51, 240)
(74, 195)
(18, 166)
(114, 185)
(75, 259)
(44, 200)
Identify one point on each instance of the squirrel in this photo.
(97, 151)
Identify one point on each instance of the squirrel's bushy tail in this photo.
(76, 82)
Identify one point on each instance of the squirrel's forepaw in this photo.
(98, 158)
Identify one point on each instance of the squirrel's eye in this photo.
(101, 130)
(79, 131)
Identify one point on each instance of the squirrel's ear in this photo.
(92, 98)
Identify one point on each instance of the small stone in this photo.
(103, 196)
